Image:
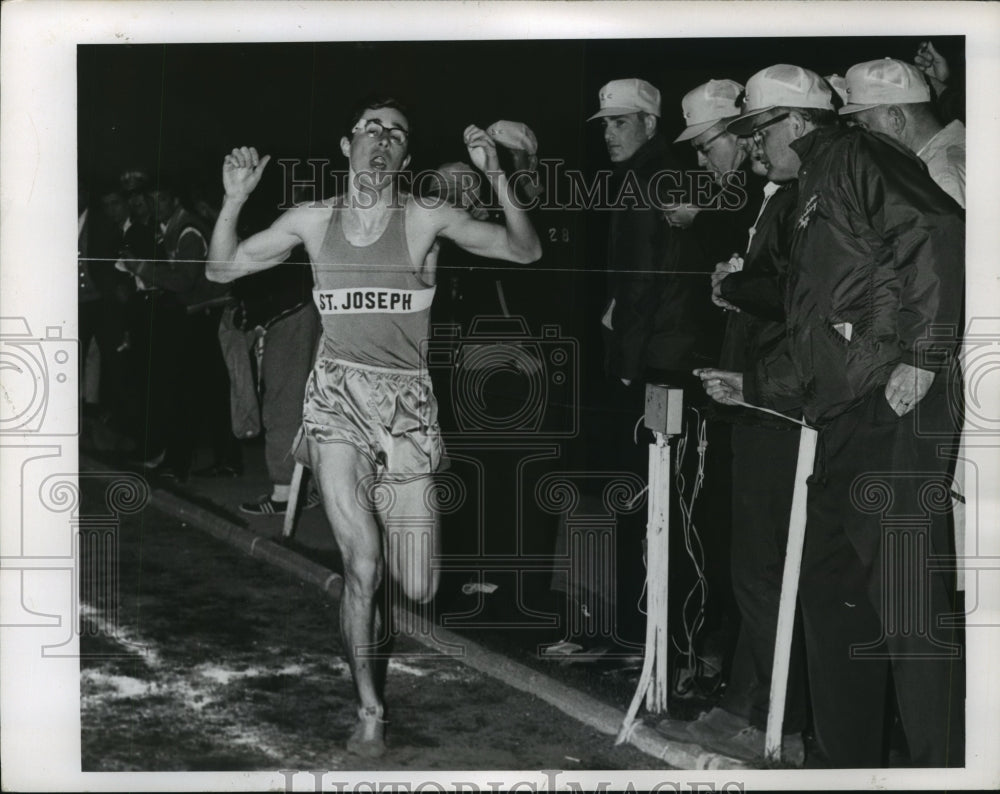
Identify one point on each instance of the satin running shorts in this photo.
(389, 415)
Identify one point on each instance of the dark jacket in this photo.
(722, 231)
(180, 263)
(877, 261)
(756, 342)
(99, 246)
(658, 317)
(714, 237)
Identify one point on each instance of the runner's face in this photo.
(623, 135)
(373, 151)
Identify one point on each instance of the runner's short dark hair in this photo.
(374, 103)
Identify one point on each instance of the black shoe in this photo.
(265, 506)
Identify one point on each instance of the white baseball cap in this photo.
(781, 86)
(884, 82)
(838, 84)
(620, 97)
(513, 135)
(707, 105)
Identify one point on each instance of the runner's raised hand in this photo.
(482, 149)
(241, 172)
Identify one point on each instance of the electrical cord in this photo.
(692, 623)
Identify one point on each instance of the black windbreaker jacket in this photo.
(715, 235)
(661, 308)
(877, 264)
(756, 340)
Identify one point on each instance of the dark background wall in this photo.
(181, 107)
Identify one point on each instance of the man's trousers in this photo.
(763, 476)
(877, 584)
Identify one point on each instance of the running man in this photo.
(370, 414)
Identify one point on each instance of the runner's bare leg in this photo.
(338, 469)
(413, 533)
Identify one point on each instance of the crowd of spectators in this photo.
(174, 353)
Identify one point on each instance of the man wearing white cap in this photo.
(876, 262)
(707, 109)
(655, 324)
(654, 321)
(720, 225)
(761, 495)
(892, 97)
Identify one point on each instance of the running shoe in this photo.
(266, 506)
(368, 738)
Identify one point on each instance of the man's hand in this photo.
(722, 385)
(723, 269)
(241, 172)
(906, 387)
(933, 64)
(681, 216)
(482, 149)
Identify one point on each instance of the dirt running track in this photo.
(218, 662)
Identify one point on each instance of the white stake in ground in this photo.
(664, 418)
(789, 596)
(288, 526)
(654, 683)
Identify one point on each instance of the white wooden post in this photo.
(654, 682)
(789, 596)
(288, 528)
